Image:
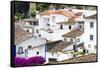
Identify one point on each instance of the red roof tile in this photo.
(62, 12)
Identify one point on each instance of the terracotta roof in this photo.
(59, 46)
(70, 21)
(74, 33)
(78, 14)
(91, 17)
(81, 45)
(21, 35)
(63, 12)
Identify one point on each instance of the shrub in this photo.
(37, 60)
(20, 61)
(30, 61)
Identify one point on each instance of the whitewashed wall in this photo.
(58, 18)
(30, 29)
(27, 23)
(30, 42)
(57, 33)
(33, 52)
(65, 56)
(90, 31)
(70, 47)
(59, 56)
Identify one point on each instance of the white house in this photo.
(27, 45)
(51, 24)
(90, 33)
(85, 34)
(58, 33)
(59, 22)
(29, 24)
(58, 51)
(30, 46)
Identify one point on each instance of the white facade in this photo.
(90, 44)
(28, 25)
(59, 56)
(32, 42)
(50, 22)
(38, 51)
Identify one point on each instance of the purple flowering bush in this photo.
(20, 61)
(37, 60)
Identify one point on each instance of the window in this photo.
(74, 48)
(34, 23)
(37, 23)
(91, 37)
(47, 24)
(37, 31)
(26, 53)
(80, 26)
(52, 60)
(71, 40)
(83, 16)
(78, 40)
(80, 22)
(27, 30)
(20, 50)
(91, 24)
(39, 35)
(53, 18)
(69, 27)
(61, 26)
(95, 47)
(31, 23)
(89, 46)
(33, 30)
(87, 51)
(84, 51)
(46, 19)
(65, 39)
(37, 53)
(29, 46)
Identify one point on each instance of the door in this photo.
(26, 53)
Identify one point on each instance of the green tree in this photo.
(41, 7)
(21, 9)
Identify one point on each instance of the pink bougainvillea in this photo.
(37, 60)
